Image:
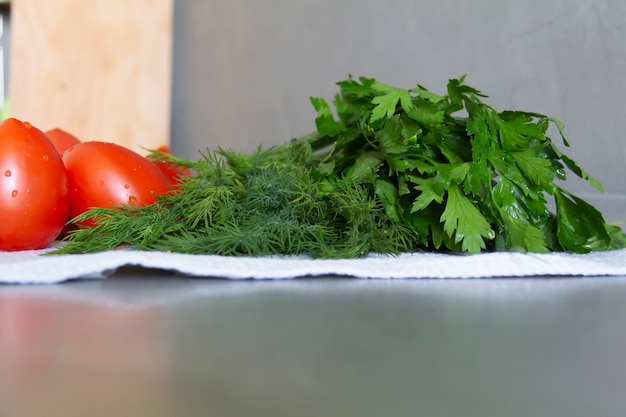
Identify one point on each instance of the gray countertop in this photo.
(146, 343)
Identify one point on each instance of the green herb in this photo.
(390, 170)
(265, 203)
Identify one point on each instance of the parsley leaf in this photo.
(463, 221)
(386, 103)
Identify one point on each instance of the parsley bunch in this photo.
(464, 176)
(389, 170)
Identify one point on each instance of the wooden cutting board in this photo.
(100, 69)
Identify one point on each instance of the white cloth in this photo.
(34, 267)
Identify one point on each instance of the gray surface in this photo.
(244, 70)
(149, 344)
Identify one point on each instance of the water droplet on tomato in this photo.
(27, 125)
(7, 173)
(132, 199)
(28, 190)
(126, 186)
(101, 182)
(44, 157)
(14, 193)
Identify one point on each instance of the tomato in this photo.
(61, 139)
(104, 174)
(34, 197)
(171, 171)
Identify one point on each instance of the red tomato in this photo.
(171, 171)
(34, 198)
(103, 174)
(61, 139)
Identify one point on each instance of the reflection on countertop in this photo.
(148, 343)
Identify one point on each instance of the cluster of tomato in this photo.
(48, 178)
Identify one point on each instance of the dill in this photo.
(265, 203)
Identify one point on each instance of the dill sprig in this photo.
(263, 203)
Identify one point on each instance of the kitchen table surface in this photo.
(150, 343)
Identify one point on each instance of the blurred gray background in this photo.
(244, 69)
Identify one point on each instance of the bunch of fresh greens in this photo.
(391, 170)
(264, 203)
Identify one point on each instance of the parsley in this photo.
(463, 175)
(387, 170)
